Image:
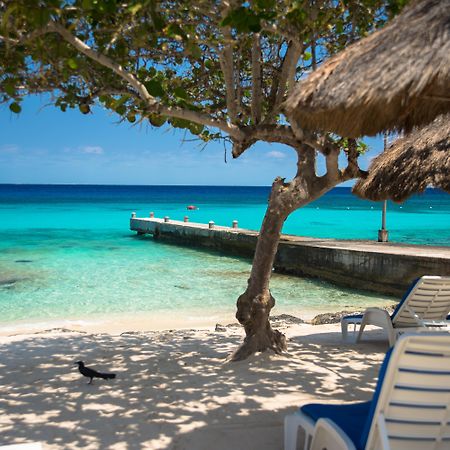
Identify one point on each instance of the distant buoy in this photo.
(191, 207)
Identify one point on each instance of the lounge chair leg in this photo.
(391, 336)
(291, 425)
(344, 330)
(361, 329)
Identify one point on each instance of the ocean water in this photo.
(66, 252)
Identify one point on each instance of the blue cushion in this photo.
(351, 418)
(354, 316)
(411, 287)
(376, 395)
(355, 419)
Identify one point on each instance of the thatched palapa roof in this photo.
(410, 164)
(394, 79)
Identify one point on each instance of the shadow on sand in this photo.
(172, 389)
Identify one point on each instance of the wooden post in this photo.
(383, 234)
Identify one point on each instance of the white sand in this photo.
(174, 389)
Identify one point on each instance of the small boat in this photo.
(191, 207)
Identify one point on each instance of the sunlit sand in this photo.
(174, 389)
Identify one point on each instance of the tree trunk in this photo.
(254, 305)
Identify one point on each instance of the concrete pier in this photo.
(380, 267)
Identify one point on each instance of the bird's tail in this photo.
(107, 376)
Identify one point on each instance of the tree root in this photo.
(260, 342)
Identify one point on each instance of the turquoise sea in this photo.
(66, 252)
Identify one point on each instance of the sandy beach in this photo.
(174, 389)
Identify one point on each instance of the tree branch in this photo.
(152, 103)
(285, 32)
(256, 79)
(269, 133)
(227, 66)
(306, 163)
(332, 165)
(203, 119)
(287, 76)
(102, 60)
(238, 84)
(282, 134)
(352, 170)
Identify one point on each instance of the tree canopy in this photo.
(220, 69)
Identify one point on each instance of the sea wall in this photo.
(380, 267)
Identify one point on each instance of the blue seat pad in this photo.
(350, 418)
(354, 316)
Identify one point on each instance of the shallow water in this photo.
(67, 252)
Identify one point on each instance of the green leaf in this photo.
(180, 93)
(244, 20)
(266, 4)
(9, 89)
(72, 63)
(307, 56)
(119, 102)
(173, 30)
(87, 4)
(154, 88)
(156, 120)
(195, 128)
(195, 51)
(135, 8)
(121, 109)
(84, 109)
(15, 107)
(6, 15)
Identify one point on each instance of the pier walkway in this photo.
(380, 267)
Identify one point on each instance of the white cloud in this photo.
(276, 154)
(9, 149)
(92, 149)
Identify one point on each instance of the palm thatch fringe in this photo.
(410, 164)
(395, 79)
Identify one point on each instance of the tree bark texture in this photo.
(255, 304)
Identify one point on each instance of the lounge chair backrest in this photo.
(427, 299)
(411, 405)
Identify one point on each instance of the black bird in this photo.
(91, 373)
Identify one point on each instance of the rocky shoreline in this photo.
(321, 319)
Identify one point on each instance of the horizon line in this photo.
(148, 185)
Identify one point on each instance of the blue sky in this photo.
(45, 145)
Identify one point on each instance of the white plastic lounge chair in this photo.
(425, 305)
(410, 409)
(327, 435)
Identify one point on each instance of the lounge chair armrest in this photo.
(382, 430)
(415, 316)
(328, 435)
